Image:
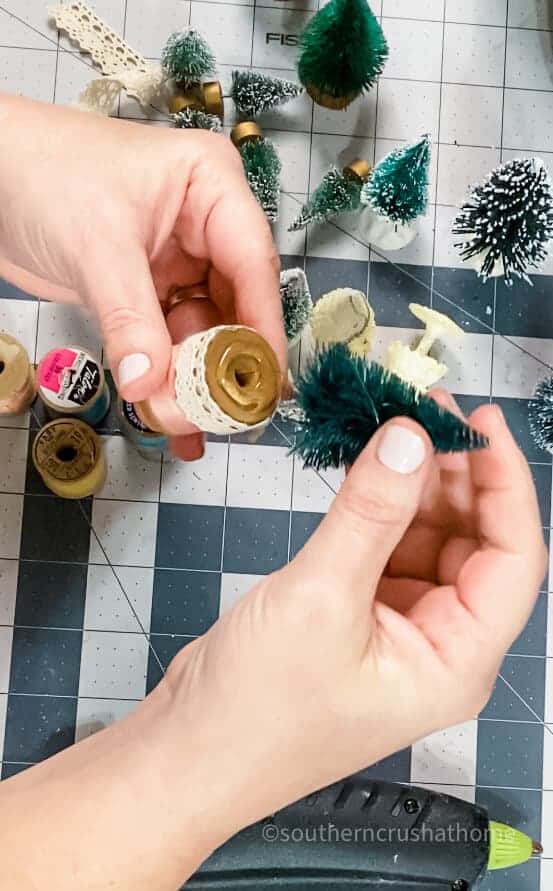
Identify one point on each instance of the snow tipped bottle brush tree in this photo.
(338, 192)
(197, 119)
(396, 194)
(187, 58)
(540, 415)
(254, 93)
(507, 222)
(342, 52)
(261, 165)
(297, 305)
(344, 399)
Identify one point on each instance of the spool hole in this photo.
(66, 453)
(2, 366)
(244, 378)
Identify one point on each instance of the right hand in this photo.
(392, 622)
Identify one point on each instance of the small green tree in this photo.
(297, 305)
(262, 168)
(196, 119)
(398, 186)
(338, 192)
(254, 93)
(507, 221)
(344, 399)
(540, 415)
(343, 50)
(187, 57)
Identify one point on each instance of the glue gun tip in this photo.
(537, 848)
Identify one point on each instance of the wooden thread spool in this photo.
(225, 380)
(149, 443)
(17, 377)
(213, 98)
(68, 455)
(358, 170)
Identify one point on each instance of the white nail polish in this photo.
(401, 450)
(132, 367)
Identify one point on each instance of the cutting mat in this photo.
(182, 542)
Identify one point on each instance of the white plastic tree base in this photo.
(384, 233)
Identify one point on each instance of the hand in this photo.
(392, 622)
(116, 214)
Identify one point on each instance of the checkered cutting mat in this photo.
(187, 540)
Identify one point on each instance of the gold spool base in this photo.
(358, 169)
(213, 98)
(243, 375)
(243, 132)
(337, 103)
(68, 455)
(192, 98)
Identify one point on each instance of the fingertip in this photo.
(188, 448)
(138, 375)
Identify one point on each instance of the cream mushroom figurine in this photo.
(416, 366)
(344, 316)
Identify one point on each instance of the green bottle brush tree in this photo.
(507, 222)
(338, 192)
(343, 50)
(344, 400)
(254, 93)
(196, 119)
(398, 186)
(261, 165)
(187, 57)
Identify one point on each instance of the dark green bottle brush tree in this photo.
(507, 222)
(398, 186)
(338, 192)
(254, 93)
(187, 58)
(344, 399)
(342, 52)
(540, 415)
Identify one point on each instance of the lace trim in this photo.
(108, 51)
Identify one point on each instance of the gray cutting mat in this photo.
(186, 541)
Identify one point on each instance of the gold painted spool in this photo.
(213, 98)
(245, 132)
(358, 169)
(17, 377)
(192, 98)
(68, 455)
(337, 103)
(243, 375)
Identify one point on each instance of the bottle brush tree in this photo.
(343, 50)
(253, 93)
(187, 57)
(398, 186)
(344, 399)
(540, 415)
(297, 305)
(261, 165)
(196, 119)
(338, 192)
(507, 222)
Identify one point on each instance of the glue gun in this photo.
(361, 835)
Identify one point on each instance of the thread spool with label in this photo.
(150, 444)
(17, 377)
(68, 455)
(71, 381)
(225, 380)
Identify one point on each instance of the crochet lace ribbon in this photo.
(192, 391)
(123, 67)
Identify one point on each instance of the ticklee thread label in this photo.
(131, 416)
(69, 377)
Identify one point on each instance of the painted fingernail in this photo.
(132, 367)
(401, 450)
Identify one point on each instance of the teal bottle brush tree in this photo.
(254, 93)
(343, 50)
(297, 305)
(338, 192)
(191, 118)
(540, 415)
(261, 166)
(396, 194)
(344, 399)
(507, 223)
(187, 58)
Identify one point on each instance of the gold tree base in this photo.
(337, 103)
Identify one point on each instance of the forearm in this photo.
(114, 811)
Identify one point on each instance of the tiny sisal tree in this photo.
(507, 222)
(253, 93)
(398, 187)
(343, 50)
(186, 57)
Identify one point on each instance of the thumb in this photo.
(372, 511)
(121, 292)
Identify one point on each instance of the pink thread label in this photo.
(68, 377)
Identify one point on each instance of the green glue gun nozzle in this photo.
(509, 847)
